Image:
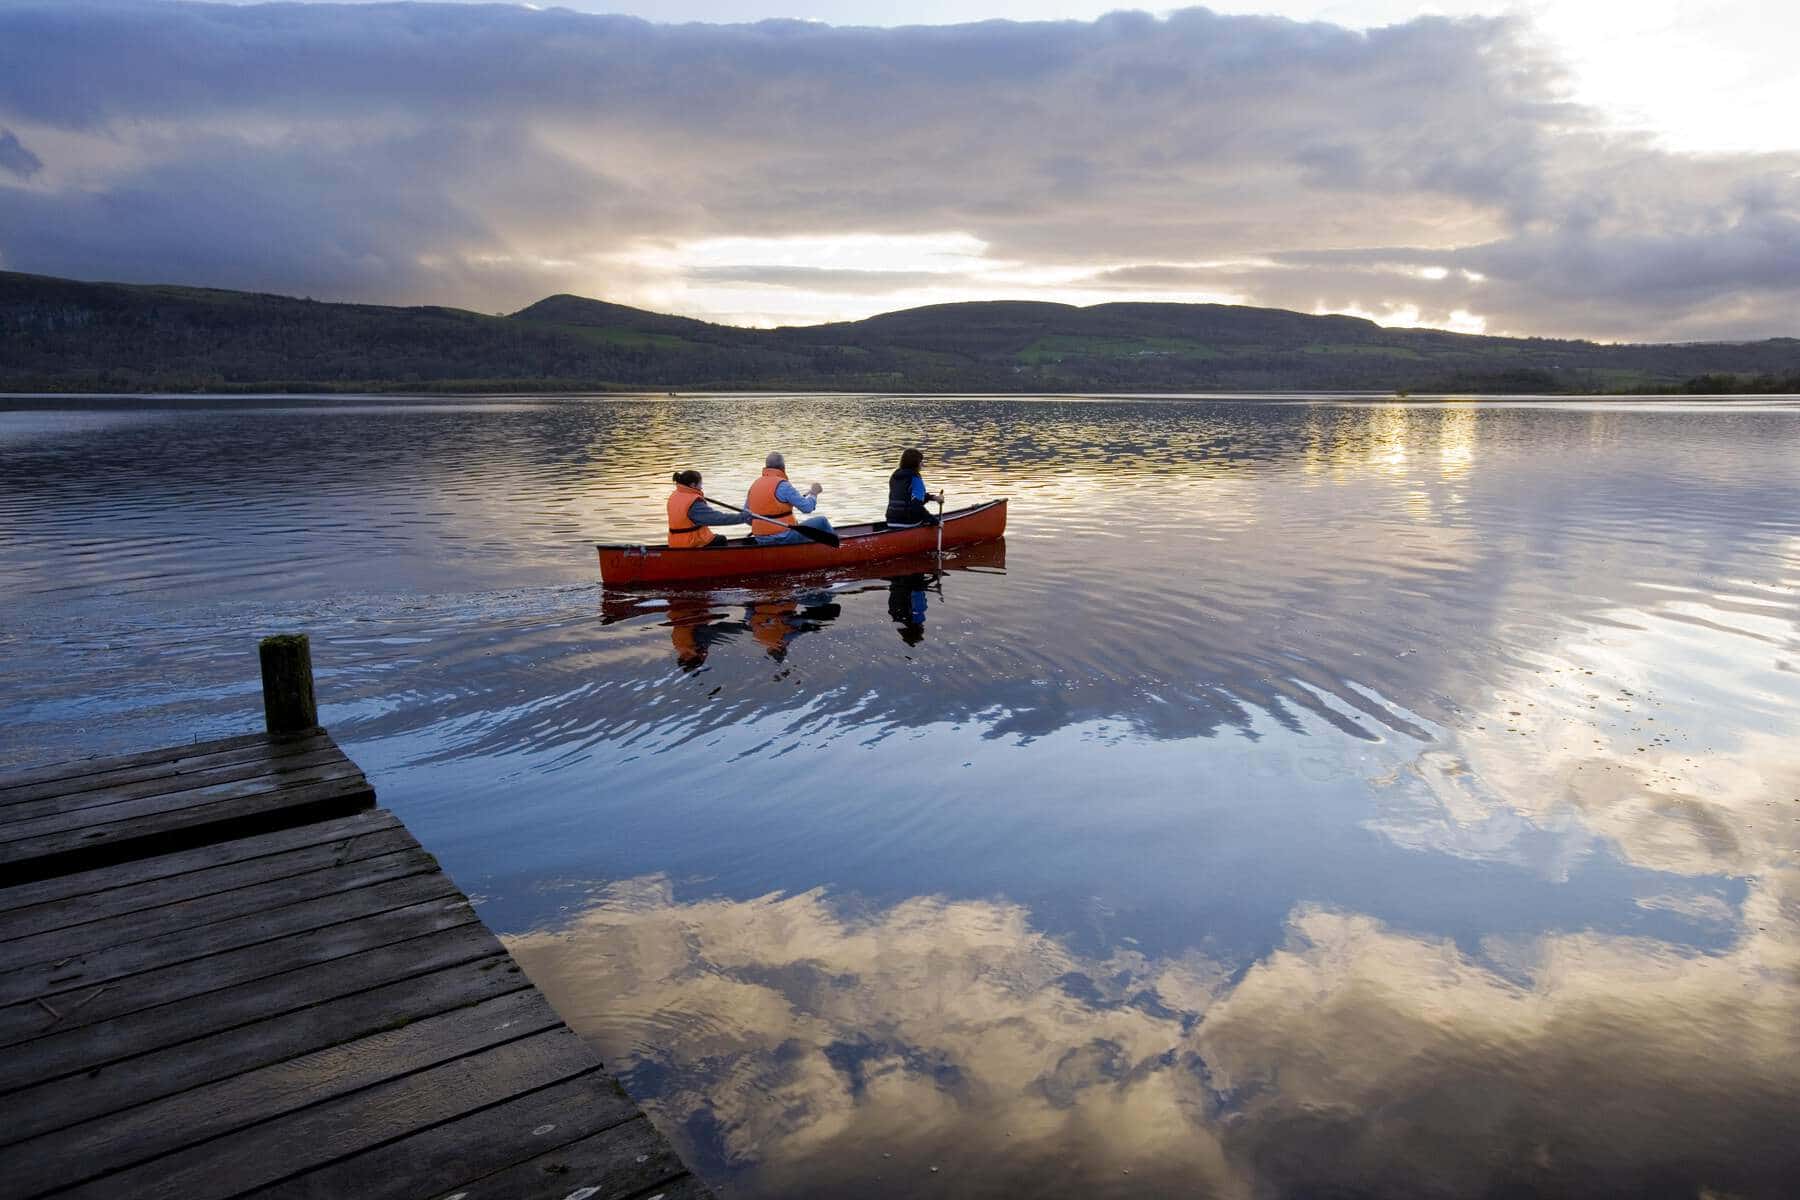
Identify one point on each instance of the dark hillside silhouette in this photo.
(63, 335)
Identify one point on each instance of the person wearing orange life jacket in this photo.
(690, 515)
(773, 497)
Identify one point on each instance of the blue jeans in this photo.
(816, 521)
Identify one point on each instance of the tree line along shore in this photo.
(69, 336)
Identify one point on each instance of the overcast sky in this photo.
(1612, 170)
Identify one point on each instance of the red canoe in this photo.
(633, 566)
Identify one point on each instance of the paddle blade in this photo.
(822, 536)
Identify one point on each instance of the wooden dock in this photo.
(224, 972)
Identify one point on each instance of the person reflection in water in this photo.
(776, 623)
(693, 631)
(906, 605)
(696, 626)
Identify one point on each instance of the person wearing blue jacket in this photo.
(907, 494)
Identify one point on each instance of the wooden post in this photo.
(289, 705)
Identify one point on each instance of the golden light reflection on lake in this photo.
(1388, 437)
(1456, 441)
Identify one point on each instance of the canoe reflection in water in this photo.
(700, 620)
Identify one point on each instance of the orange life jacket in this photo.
(770, 626)
(688, 616)
(763, 503)
(683, 533)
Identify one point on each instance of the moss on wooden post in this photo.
(289, 705)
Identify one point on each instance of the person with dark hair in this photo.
(907, 494)
(690, 516)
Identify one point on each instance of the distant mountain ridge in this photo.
(66, 335)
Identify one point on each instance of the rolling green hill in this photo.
(65, 336)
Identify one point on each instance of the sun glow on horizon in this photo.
(1285, 154)
(807, 279)
(1409, 316)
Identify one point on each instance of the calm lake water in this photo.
(1307, 798)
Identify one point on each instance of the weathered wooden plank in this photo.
(155, 894)
(623, 1161)
(85, 849)
(168, 770)
(327, 964)
(269, 1003)
(136, 1135)
(267, 1153)
(133, 927)
(38, 817)
(198, 858)
(100, 805)
(82, 972)
(74, 767)
(202, 858)
(174, 1069)
(685, 1188)
(270, 799)
(179, 981)
(434, 1161)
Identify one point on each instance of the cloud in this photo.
(14, 157)
(802, 1046)
(487, 155)
(935, 1031)
(815, 278)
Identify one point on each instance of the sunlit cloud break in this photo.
(1433, 172)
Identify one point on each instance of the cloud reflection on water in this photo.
(1317, 796)
(802, 1045)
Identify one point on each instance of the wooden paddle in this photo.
(940, 528)
(822, 536)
